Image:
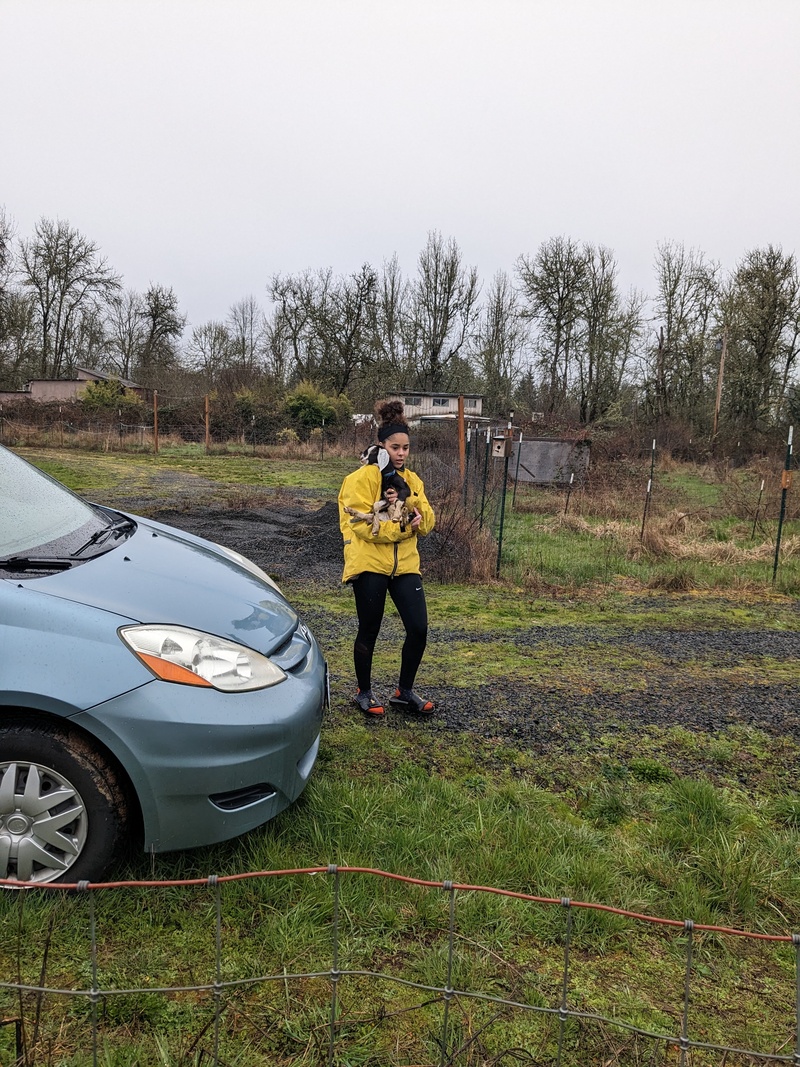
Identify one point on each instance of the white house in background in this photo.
(430, 406)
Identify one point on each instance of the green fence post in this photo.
(786, 482)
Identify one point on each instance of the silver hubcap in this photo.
(43, 823)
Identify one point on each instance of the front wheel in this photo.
(62, 809)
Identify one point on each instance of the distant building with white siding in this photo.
(421, 405)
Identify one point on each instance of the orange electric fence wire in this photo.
(445, 993)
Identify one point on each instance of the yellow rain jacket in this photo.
(392, 551)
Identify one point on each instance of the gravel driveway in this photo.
(298, 544)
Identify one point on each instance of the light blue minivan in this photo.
(153, 686)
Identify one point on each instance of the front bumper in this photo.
(207, 766)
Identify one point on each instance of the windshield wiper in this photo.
(42, 563)
(117, 527)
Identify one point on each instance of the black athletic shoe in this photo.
(409, 701)
(367, 702)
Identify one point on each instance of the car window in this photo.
(36, 510)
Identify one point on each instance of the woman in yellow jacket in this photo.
(386, 561)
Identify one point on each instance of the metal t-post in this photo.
(485, 476)
(758, 509)
(516, 471)
(465, 491)
(507, 456)
(786, 482)
(502, 515)
(569, 491)
(649, 489)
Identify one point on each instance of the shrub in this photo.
(307, 406)
(110, 398)
(288, 436)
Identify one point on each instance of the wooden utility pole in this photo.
(208, 432)
(155, 421)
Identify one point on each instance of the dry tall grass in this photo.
(677, 536)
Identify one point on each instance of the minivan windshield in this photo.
(36, 511)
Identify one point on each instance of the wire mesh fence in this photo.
(312, 988)
(614, 517)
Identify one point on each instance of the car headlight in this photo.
(190, 657)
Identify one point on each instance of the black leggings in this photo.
(409, 598)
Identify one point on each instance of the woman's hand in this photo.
(416, 519)
(390, 495)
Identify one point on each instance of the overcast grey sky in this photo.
(207, 144)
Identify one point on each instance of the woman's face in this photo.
(397, 446)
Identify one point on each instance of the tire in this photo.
(63, 811)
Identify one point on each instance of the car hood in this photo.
(161, 575)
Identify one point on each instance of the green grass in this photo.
(138, 474)
(639, 837)
(545, 549)
(693, 486)
(501, 610)
(667, 846)
(620, 816)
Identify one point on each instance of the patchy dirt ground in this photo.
(291, 543)
(302, 544)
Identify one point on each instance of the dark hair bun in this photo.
(392, 419)
(390, 411)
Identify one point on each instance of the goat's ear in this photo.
(382, 459)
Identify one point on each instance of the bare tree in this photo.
(86, 342)
(442, 312)
(7, 232)
(209, 351)
(19, 344)
(294, 297)
(391, 313)
(8, 365)
(609, 334)
(761, 312)
(681, 363)
(247, 330)
(552, 288)
(64, 271)
(344, 321)
(126, 332)
(383, 361)
(323, 327)
(500, 341)
(276, 351)
(163, 328)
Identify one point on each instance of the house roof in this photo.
(435, 392)
(91, 375)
